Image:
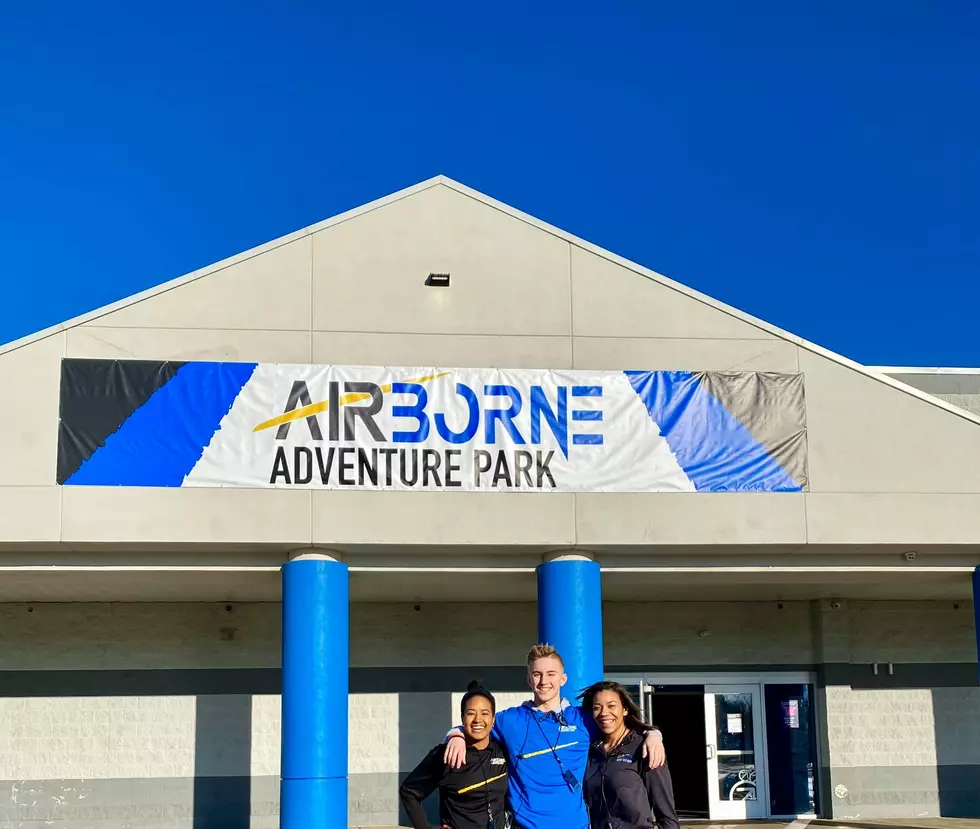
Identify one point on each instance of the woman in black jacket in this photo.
(474, 796)
(620, 789)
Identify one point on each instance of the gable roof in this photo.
(882, 376)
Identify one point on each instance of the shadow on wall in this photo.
(222, 762)
(423, 720)
(957, 717)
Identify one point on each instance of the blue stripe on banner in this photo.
(160, 443)
(713, 448)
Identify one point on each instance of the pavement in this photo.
(841, 823)
(902, 823)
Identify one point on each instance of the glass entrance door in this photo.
(735, 752)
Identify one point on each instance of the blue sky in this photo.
(814, 163)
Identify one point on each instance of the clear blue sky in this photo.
(814, 163)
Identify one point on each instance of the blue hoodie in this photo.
(547, 752)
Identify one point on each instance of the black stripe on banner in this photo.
(97, 397)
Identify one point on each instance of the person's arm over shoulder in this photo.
(501, 717)
(587, 719)
(455, 753)
(653, 748)
(653, 739)
(422, 782)
(503, 722)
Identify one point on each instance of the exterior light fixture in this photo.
(437, 280)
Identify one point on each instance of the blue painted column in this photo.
(570, 618)
(315, 645)
(976, 612)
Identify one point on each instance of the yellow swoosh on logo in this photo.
(343, 400)
(481, 785)
(547, 750)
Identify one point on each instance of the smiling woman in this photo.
(619, 789)
(473, 796)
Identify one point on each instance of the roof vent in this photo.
(437, 280)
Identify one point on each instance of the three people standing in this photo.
(549, 748)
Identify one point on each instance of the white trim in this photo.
(193, 276)
(713, 303)
(540, 225)
(797, 569)
(923, 370)
(274, 568)
(137, 568)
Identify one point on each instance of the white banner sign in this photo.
(482, 430)
(412, 429)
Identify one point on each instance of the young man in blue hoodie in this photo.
(547, 744)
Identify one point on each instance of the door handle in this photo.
(710, 751)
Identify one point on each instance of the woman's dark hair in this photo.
(476, 689)
(634, 716)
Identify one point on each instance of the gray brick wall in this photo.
(893, 749)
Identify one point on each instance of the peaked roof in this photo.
(875, 374)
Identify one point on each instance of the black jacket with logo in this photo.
(468, 797)
(621, 790)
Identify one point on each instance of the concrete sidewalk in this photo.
(899, 823)
(841, 823)
(905, 823)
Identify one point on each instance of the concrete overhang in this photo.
(515, 583)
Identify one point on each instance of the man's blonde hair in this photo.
(543, 651)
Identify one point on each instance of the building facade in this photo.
(806, 649)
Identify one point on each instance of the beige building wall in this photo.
(165, 636)
(198, 723)
(201, 713)
(884, 464)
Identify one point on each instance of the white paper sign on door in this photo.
(791, 713)
(734, 723)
